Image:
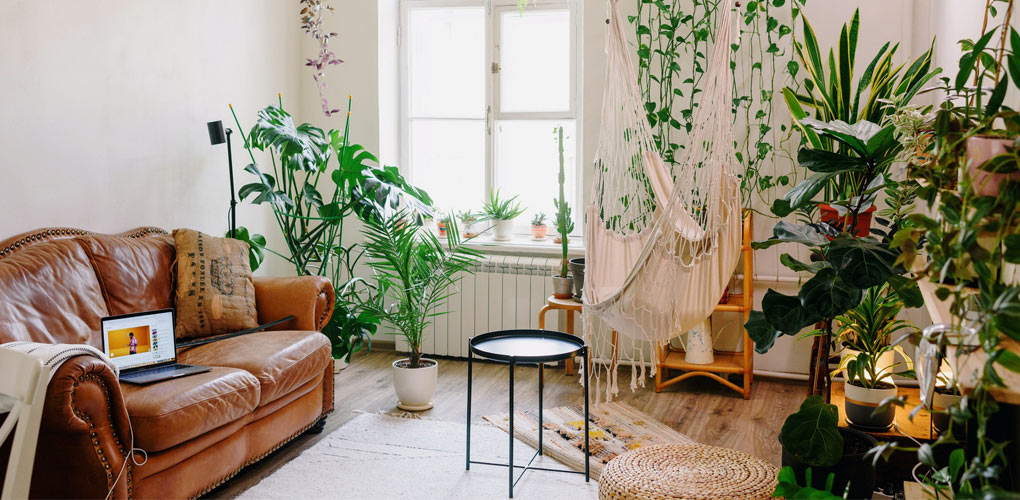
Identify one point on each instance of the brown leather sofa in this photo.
(264, 390)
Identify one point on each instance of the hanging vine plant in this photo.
(674, 41)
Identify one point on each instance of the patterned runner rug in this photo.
(614, 428)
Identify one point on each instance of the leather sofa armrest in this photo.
(309, 298)
(84, 436)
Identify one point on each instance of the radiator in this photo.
(504, 292)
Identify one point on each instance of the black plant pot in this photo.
(854, 467)
(577, 270)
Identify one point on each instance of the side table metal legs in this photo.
(587, 449)
(467, 456)
(510, 431)
(510, 469)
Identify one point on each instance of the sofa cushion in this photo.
(134, 273)
(170, 412)
(282, 360)
(50, 293)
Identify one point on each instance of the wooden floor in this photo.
(698, 408)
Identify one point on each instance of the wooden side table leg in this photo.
(541, 316)
(569, 368)
(616, 352)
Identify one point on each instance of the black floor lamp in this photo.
(219, 135)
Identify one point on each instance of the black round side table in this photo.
(516, 347)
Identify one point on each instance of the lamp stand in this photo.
(233, 199)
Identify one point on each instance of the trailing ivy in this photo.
(674, 43)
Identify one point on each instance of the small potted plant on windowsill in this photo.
(563, 284)
(538, 227)
(866, 332)
(469, 222)
(503, 213)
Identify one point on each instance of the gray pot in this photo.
(563, 288)
(577, 270)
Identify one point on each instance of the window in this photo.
(483, 88)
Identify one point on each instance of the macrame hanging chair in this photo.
(662, 239)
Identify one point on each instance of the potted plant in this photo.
(812, 440)
(415, 273)
(312, 216)
(866, 332)
(503, 212)
(538, 227)
(959, 213)
(563, 284)
(469, 223)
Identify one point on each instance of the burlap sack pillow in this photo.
(215, 292)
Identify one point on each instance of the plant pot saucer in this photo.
(539, 239)
(428, 406)
(867, 428)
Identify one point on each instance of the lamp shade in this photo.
(216, 134)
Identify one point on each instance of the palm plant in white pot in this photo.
(416, 273)
(868, 363)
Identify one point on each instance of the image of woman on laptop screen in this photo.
(128, 341)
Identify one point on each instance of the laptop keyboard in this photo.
(162, 369)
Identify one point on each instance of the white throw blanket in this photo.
(52, 355)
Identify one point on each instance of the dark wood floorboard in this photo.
(699, 408)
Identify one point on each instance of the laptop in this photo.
(143, 347)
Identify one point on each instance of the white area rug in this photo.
(384, 457)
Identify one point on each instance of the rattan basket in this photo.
(672, 472)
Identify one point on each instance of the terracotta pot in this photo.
(563, 288)
(979, 151)
(862, 225)
(415, 387)
(539, 231)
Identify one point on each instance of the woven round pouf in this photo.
(689, 471)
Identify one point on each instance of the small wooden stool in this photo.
(570, 306)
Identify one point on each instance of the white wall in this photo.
(105, 105)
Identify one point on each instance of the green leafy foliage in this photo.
(787, 487)
(501, 209)
(416, 273)
(812, 434)
(675, 39)
(871, 329)
(319, 180)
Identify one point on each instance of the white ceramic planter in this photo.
(338, 365)
(415, 387)
(699, 344)
(860, 405)
(504, 230)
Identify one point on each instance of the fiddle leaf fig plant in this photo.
(812, 433)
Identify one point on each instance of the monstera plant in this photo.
(318, 180)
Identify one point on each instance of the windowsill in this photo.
(523, 244)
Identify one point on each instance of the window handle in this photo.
(488, 120)
(495, 68)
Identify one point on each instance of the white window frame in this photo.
(493, 11)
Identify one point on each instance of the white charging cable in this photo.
(130, 456)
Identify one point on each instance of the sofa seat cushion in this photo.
(282, 360)
(170, 412)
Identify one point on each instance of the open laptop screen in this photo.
(141, 339)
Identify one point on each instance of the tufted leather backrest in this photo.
(135, 273)
(49, 292)
(57, 284)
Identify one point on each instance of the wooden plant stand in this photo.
(726, 362)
